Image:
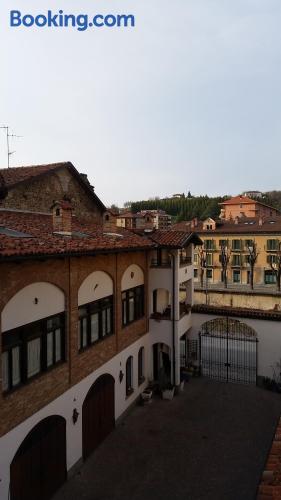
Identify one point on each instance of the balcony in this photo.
(184, 309)
(166, 264)
(165, 315)
(185, 261)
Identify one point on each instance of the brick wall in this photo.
(23, 402)
(41, 193)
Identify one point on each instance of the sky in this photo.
(188, 99)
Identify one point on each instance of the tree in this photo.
(203, 263)
(189, 195)
(224, 259)
(252, 256)
(275, 264)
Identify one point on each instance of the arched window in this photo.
(141, 366)
(129, 376)
(33, 339)
(95, 301)
(132, 285)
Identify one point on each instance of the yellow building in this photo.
(239, 237)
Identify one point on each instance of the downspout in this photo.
(174, 308)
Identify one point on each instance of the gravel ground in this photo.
(210, 442)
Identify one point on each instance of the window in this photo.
(209, 259)
(236, 260)
(129, 376)
(272, 245)
(132, 304)
(196, 258)
(236, 276)
(248, 243)
(209, 273)
(141, 366)
(195, 273)
(95, 322)
(236, 244)
(223, 243)
(272, 259)
(209, 244)
(269, 277)
(32, 349)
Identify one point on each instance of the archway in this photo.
(38, 468)
(98, 413)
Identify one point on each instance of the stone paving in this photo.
(210, 442)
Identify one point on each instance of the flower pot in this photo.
(168, 393)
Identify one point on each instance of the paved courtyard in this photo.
(210, 442)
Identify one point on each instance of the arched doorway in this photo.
(228, 350)
(38, 468)
(98, 413)
(162, 363)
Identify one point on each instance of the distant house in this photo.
(253, 194)
(243, 206)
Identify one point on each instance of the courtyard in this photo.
(209, 442)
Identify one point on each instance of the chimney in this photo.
(260, 221)
(62, 217)
(109, 222)
(236, 220)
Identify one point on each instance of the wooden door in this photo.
(98, 418)
(39, 466)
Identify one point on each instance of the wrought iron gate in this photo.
(228, 351)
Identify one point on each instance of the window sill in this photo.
(129, 393)
(131, 322)
(29, 381)
(99, 341)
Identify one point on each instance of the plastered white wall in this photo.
(96, 286)
(22, 309)
(74, 398)
(133, 276)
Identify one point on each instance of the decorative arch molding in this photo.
(223, 325)
(97, 285)
(32, 303)
(132, 277)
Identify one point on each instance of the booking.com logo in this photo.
(61, 20)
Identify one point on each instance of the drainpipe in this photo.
(173, 322)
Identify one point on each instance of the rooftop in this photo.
(26, 234)
(11, 177)
(243, 225)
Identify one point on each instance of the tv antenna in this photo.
(8, 135)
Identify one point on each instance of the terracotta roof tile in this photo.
(15, 175)
(86, 238)
(245, 225)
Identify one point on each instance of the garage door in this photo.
(98, 413)
(39, 466)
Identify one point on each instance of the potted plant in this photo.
(168, 392)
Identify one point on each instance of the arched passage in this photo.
(38, 468)
(98, 413)
(161, 363)
(228, 350)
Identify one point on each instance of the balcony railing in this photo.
(184, 309)
(163, 263)
(185, 261)
(158, 316)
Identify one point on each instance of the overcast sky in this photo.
(189, 99)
